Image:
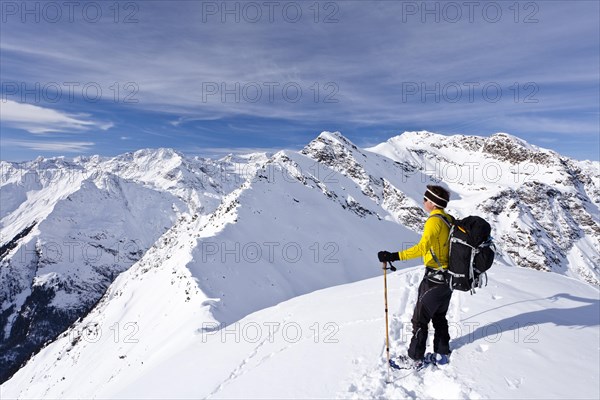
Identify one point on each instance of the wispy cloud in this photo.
(177, 65)
(219, 152)
(555, 125)
(41, 120)
(54, 146)
(367, 65)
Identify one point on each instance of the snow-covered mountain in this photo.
(69, 228)
(544, 207)
(207, 244)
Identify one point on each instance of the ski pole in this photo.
(387, 335)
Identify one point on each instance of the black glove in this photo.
(385, 256)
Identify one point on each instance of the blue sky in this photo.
(212, 77)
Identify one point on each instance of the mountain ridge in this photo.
(211, 202)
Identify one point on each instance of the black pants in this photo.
(432, 305)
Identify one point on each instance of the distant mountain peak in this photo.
(507, 147)
(501, 146)
(337, 135)
(329, 138)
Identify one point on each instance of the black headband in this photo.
(435, 199)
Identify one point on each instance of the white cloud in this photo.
(218, 152)
(41, 120)
(67, 147)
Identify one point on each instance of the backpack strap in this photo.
(437, 261)
(448, 224)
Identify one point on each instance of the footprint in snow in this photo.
(483, 348)
(514, 383)
(496, 297)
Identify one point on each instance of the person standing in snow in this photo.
(434, 290)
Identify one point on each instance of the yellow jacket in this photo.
(435, 236)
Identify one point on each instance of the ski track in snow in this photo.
(241, 369)
(374, 381)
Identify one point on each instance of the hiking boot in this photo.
(405, 362)
(436, 359)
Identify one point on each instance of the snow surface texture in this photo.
(511, 340)
(247, 234)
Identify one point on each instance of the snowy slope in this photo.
(68, 228)
(58, 271)
(264, 244)
(511, 340)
